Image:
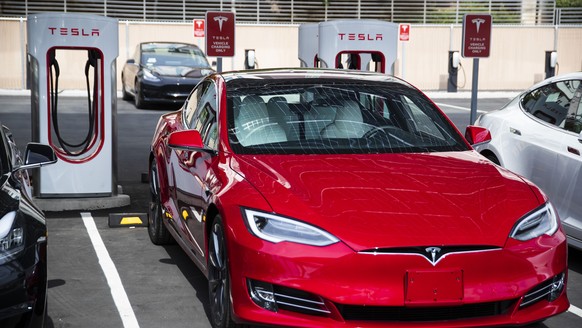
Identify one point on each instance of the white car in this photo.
(538, 135)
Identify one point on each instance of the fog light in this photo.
(557, 287)
(262, 294)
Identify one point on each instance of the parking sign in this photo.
(476, 35)
(220, 33)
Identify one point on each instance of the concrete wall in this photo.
(516, 61)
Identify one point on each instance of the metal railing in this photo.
(531, 12)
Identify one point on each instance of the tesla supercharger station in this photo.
(366, 45)
(85, 148)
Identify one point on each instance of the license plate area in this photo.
(434, 287)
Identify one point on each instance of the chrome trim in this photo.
(545, 291)
(277, 301)
(427, 258)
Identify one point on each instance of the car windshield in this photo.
(335, 116)
(173, 55)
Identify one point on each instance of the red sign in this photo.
(220, 33)
(404, 32)
(198, 28)
(476, 35)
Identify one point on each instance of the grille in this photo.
(380, 313)
(432, 254)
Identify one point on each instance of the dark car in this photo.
(331, 198)
(163, 72)
(23, 236)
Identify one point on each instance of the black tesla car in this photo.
(23, 236)
(163, 72)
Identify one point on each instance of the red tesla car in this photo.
(327, 198)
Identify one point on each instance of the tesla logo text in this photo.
(220, 20)
(73, 31)
(360, 36)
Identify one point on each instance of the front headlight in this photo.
(149, 76)
(275, 228)
(11, 238)
(541, 221)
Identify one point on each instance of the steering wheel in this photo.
(375, 132)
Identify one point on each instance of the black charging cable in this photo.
(69, 148)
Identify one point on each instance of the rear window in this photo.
(334, 117)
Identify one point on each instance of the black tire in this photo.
(159, 234)
(219, 278)
(491, 157)
(138, 98)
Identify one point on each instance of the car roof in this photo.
(553, 79)
(309, 73)
(166, 44)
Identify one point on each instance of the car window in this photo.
(574, 119)
(336, 116)
(192, 103)
(204, 116)
(4, 151)
(551, 103)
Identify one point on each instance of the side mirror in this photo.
(37, 155)
(477, 135)
(188, 140)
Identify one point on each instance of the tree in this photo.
(568, 3)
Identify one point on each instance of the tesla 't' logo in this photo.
(220, 20)
(433, 252)
(478, 22)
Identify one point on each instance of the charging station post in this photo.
(351, 44)
(86, 148)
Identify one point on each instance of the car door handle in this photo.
(514, 131)
(574, 150)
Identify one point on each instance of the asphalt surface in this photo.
(162, 287)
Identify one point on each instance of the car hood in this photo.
(395, 200)
(181, 71)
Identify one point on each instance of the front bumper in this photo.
(168, 91)
(343, 288)
(23, 289)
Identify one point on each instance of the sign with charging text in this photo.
(198, 28)
(220, 33)
(404, 32)
(476, 35)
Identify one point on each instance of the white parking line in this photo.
(117, 291)
(575, 310)
(458, 107)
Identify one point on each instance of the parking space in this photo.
(161, 285)
(115, 277)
